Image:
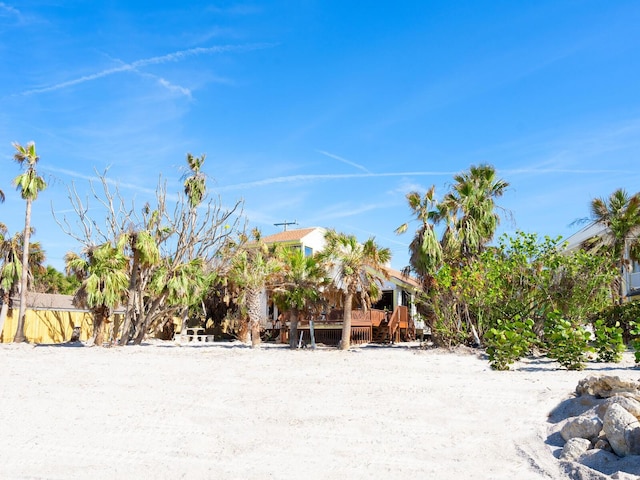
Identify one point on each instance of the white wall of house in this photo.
(315, 240)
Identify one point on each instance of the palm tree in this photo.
(177, 286)
(29, 184)
(251, 270)
(104, 283)
(299, 286)
(469, 210)
(425, 249)
(11, 270)
(195, 185)
(620, 215)
(144, 254)
(356, 269)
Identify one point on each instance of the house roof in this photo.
(577, 239)
(288, 235)
(49, 301)
(54, 302)
(401, 277)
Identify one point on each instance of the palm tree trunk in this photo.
(253, 306)
(25, 273)
(623, 284)
(293, 328)
(99, 316)
(131, 311)
(143, 324)
(345, 343)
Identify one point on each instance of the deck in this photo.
(368, 326)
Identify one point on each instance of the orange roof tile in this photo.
(288, 235)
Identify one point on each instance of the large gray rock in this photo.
(581, 427)
(629, 404)
(605, 386)
(601, 460)
(574, 448)
(622, 430)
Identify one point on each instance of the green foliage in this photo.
(567, 342)
(635, 340)
(626, 315)
(50, 280)
(608, 342)
(509, 341)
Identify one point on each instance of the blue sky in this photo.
(325, 112)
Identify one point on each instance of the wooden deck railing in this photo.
(332, 336)
(399, 317)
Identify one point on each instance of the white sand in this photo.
(226, 411)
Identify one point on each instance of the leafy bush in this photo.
(567, 342)
(509, 341)
(626, 315)
(608, 343)
(635, 340)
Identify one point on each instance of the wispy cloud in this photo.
(95, 178)
(343, 211)
(238, 9)
(575, 171)
(133, 66)
(344, 160)
(324, 177)
(8, 10)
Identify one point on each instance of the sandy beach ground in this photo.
(225, 411)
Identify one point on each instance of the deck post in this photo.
(312, 334)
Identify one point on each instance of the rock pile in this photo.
(598, 430)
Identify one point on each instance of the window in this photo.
(308, 251)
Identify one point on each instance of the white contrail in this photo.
(330, 176)
(344, 160)
(343, 176)
(170, 57)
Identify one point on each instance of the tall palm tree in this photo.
(251, 270)
(425, 249)
(355, 269)
(103, 270)
(470, 213)
(620, 215)
(299, 286)
(29, 184)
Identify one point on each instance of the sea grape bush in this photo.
(567, 342)
(509, 341)
(608, 343)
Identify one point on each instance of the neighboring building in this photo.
(631, 275)
(51, 318)
(309, 240)
(391, 318)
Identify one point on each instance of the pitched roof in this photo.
(288, 235)
(398, 275)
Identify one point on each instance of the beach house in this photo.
(392, 318)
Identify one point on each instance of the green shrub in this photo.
(635, 339)
(608, 342)
(509, 341)
(626, 315)
(567, 342)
